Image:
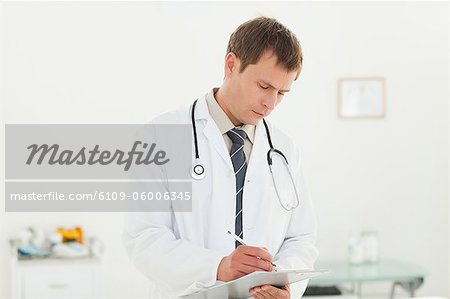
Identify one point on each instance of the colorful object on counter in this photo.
(71, 235)
(70, 250)
(33, 251)
(65, 243)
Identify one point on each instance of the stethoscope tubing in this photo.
(198, 170)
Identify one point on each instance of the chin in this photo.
(252, 121)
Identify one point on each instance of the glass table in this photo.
(401, 273)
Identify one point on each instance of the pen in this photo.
(243, 243)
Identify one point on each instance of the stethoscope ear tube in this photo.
(198, 171)
(274, 150)
(270, 152)
(194, 128)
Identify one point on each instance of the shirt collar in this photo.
(221, 118)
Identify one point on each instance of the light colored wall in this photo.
(127, 62)
(448, 140)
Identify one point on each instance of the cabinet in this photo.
(55, 278)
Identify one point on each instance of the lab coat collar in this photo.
(201, 109)
(211, 131)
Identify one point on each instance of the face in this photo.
(256, 91)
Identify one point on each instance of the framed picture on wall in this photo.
(361, 98)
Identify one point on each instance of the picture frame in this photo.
(361, 97)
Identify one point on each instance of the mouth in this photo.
(259, 114)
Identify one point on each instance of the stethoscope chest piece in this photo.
(198, 171)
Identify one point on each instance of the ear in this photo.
(231, 64)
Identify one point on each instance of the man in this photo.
(183, 252)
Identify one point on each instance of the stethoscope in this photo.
(198, 171)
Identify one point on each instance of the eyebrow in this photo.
(270, 85)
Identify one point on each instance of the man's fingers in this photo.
(256, 251)
(246, 269)
(273, 292)
(258, 264)
(258, 293)
(240, 274)
(264, 295)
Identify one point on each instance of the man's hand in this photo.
(242, 261)
(270, 292)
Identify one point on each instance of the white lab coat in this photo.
(180, 252)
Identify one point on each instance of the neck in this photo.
(222, 97)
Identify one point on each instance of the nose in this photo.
(269, 102)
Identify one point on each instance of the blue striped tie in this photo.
(238, 136)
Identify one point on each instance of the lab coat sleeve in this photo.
(173, 265)
(298, 251)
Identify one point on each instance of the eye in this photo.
(263, 87)
(281, 94)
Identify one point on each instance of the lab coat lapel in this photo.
(212, 132)
(258, 158)
(255, 182)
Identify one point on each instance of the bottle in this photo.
(355, 250)
(369, 240)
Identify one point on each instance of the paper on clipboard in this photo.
(239, 288)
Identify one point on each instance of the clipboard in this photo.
(239, 288)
